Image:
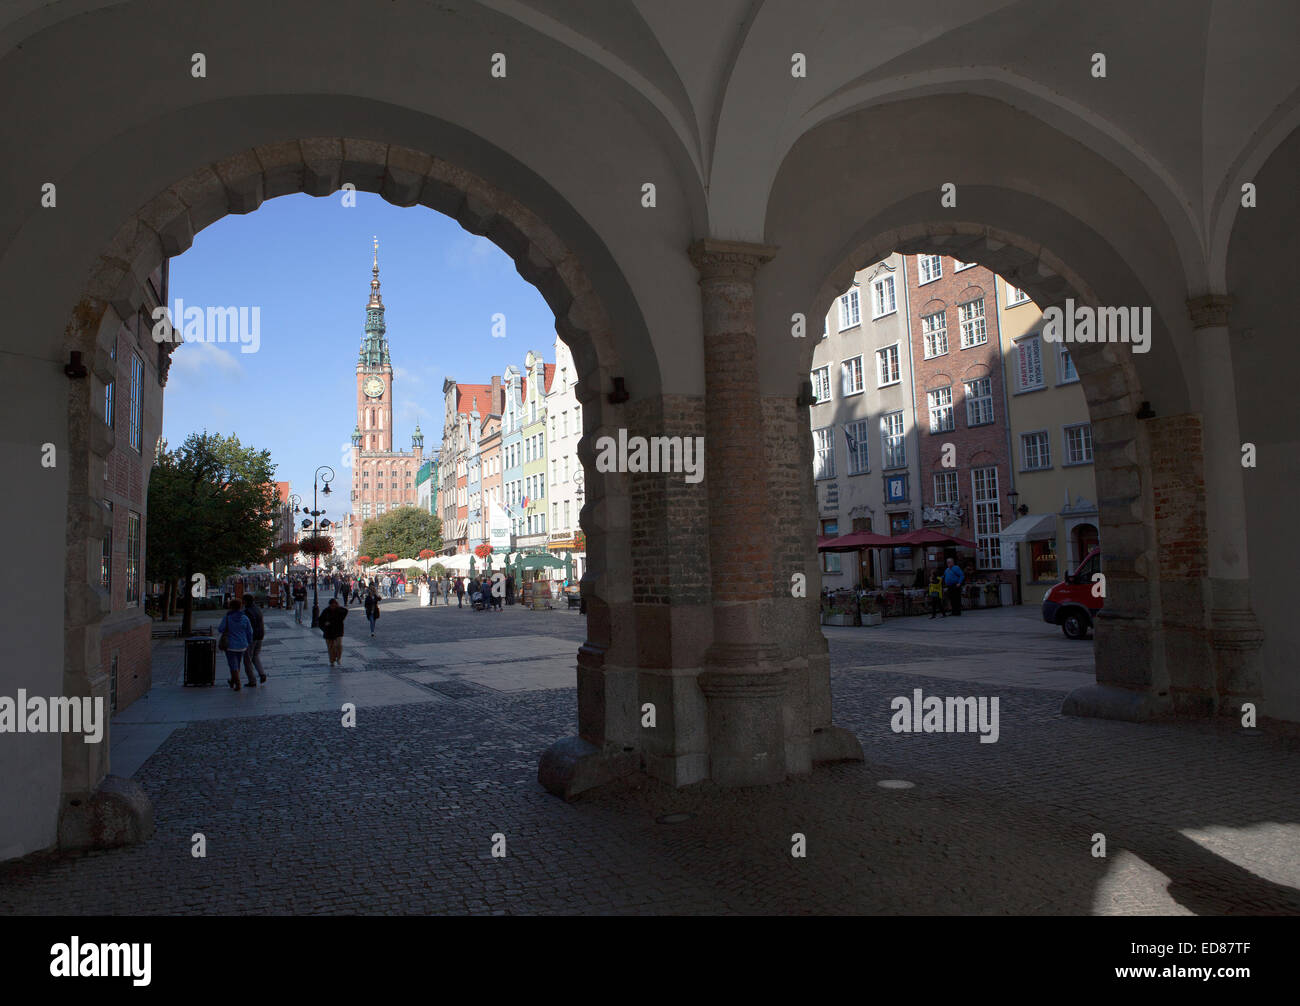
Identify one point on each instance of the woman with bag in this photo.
(236, 636)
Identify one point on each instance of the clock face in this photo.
(374, 387)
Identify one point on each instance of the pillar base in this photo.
(832, 744)
(1109, 702)
(572, 765)
(746, 727)
(118, 813)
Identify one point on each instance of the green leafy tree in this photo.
(404, 532)
(211, 506)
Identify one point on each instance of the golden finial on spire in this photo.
(376, 268)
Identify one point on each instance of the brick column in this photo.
(1235, 634)
(743, 682)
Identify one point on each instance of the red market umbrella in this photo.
(856, 540)
(931, 536)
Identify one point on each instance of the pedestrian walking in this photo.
(236, 632)
(372, 611)
(299, 600)
(935, 592)
(460, 593)
(331, 627)
(253, 655)
(953, 578)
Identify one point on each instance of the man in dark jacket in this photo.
(253, 655)
(331, 627)
(460, 592)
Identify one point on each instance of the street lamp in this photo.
(316, 524)
(1017, 511)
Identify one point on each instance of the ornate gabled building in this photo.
(383, 479)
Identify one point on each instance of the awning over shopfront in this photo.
(1034, 527)
(855, 540)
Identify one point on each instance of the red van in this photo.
(1071, 604)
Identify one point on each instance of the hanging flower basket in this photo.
(391, 557)
(426, 553)
(483, 551)
(364, 560)
(321, 544)
(579, 541)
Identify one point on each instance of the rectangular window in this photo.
(1016, 296)
(856, 435)
(830, 560)
(1042, 561)
(1029, 363)
(887, 366)
(934, 327)
(137, 401)
(132, 557)
(988, 518)
(850, 310)
(110, 388)
(851, 376)
(821, 382)
(1035, 451)
(893, 440)
(566, 513)
(945, 489)
(1078, 444)
(979, 401)
(883, 302)
(940, 403)
(1065, 366)
(824, 457)
(929, 268)
(106, 554)
(973, 332)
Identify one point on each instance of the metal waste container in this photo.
(200, 660)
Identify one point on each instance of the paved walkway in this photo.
(398, 815)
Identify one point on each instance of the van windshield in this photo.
(1089, 568)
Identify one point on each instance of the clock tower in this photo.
(374, 375)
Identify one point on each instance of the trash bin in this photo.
(200, 660)
(1005, 594)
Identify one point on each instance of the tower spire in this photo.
(374, 346)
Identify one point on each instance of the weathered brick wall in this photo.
(1178, 488)
(134, 661)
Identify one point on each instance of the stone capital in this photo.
(1209, 311)
(728, 260)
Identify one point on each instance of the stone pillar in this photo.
(743, 683)
(1235, 634)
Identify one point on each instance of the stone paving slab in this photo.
(397, 815)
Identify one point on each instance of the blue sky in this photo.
(305, 262)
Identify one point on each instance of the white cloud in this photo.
(195, 359)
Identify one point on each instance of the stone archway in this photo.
(1153, 648)
(96, 810)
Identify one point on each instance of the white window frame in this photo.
(938, 411)
(973, 400)
(1015, 295)
(1068, 453)
(968, 325)
(888, 355)
(1062, 356)
(821, 382)
(879, 309)
(847, 385)
(987, 520)
(850, 310)
(891, 442)
(1042, 448)
(857, 433)
(931, 336)
(948, 494)
(936, 263)
(824, 453)
(1021, 345)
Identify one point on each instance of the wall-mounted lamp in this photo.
(74, 368)
(805, 398)
(620, 393)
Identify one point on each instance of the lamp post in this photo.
(316, 524)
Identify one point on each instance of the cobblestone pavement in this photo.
(398, 815)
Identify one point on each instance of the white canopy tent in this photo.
(458, 563)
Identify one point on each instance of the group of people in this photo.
(946, 584)
(242, 630)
